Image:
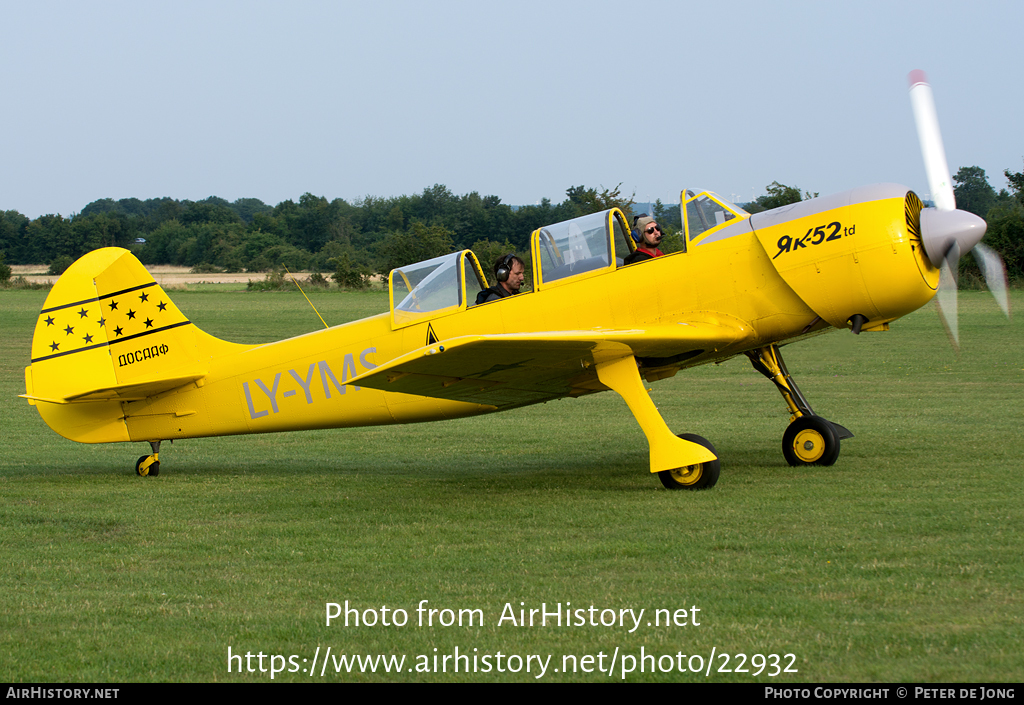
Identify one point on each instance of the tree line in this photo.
(353, 241)
(370, 236)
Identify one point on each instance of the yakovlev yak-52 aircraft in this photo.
(113, 359)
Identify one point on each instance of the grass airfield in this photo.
(903, 562)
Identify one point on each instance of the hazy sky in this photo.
(522, 100)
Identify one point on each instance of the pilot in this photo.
(647, 235)
(508, 270)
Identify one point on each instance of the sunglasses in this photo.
(652, 229)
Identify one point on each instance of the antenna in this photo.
(307, 298)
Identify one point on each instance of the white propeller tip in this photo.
(917, 76)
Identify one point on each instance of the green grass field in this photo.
(903, 562)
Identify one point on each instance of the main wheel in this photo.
(810, 440)
(693, 477)
(152, 471)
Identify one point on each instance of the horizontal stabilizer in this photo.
(108, 333)
(134, 391)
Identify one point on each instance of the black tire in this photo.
(810, 440)
(153, 471)
(701, 476)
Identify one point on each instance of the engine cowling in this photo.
(853, 254)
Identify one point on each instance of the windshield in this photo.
(706, 211)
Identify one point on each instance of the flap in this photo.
(525, 368)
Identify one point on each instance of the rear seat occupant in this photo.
(508, 270)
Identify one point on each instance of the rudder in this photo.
(108, 333)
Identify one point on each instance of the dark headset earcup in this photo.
(504, 267)
(635, 231)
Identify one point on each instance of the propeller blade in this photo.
(945, 231)
(927, 121)
(994, 271)
(945, 299)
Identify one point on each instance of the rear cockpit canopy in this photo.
(434, 287)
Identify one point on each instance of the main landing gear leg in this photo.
(682, 462)
(149, 465)
(809, 439)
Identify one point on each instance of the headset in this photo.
(504, 267)
(638, 236)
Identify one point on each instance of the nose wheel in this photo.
(810, 440)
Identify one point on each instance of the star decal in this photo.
(69, 330)
(117, 331)
(54, 346)
(131, 314)
(102, 321)
(49, 320)
(144, 297)
(162, 306)
(87, 338)
(149, 323)
(83, 313)
(113, 305)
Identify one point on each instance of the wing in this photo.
(516, 369)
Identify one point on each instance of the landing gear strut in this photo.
(809, 439)
(149, 465)
(684, 462)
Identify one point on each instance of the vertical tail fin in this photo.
(107, 334)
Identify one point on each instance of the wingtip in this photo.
(917, 76)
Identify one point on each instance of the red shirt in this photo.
(653, 253)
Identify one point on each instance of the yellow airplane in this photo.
(114, 360)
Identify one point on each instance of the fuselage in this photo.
(748, 273)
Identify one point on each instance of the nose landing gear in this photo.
(809, 439)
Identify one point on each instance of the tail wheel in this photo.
(152, 471)
(693, 477)
(810, 440)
